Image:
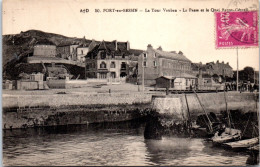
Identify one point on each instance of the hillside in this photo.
(16, 47)
(16, 44)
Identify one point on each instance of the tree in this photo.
(247, 74)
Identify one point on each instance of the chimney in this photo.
(128, 45)
(222, 62)
(160, 48)
(149, 46)
(115, 44)
(227, 63)
(200, 73)
(217, 61)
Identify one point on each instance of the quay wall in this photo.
(57, 100)
(176, 105)
(22, 111)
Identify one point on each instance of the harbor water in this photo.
(104, 144)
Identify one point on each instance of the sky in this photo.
(193, 33)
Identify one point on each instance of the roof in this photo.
(136, 52)
(170, 55)
(64, 43)
(203, 67)
(226, 65)
(84, 45)
(182, 75)
(44, 42)
(111, 47)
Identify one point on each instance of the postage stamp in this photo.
(236, 29)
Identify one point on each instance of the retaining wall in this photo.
(212, 102)
(21, 111)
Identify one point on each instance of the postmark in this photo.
(236, 29)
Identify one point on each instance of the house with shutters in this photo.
(110, 60)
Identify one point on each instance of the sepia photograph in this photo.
(130, 83)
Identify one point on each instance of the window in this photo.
(82, 52)
(145, 55)
(123, 65)
(103, 55)
(154, 63)
(103, 75)
(123, 56)
(154, 55)
(113, 75)
(113, 65)
(144, 64)
(113, 55)
(103, 65)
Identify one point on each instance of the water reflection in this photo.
(108, 144)
(168, 149)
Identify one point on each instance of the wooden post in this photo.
(188, 110)
(210, 123)
(228, 114)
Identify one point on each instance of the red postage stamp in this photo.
(236, 29)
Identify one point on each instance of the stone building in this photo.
(222, 68)
(44, 48)
(154, 63)
(109, 60)
(67, 50)
(84, 48)
(211, 68)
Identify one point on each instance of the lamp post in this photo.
(254, 75)
(237, 68)
(143, 73)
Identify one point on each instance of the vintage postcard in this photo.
(140, 83)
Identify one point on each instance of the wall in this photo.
(80, 55)
(212, 102)
(73, 52)
(64, 109)
(64, 51)
(70, 115)
(44, 50)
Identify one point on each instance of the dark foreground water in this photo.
(118, 144)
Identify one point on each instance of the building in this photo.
(110, 60)
(82, 51)
(154, 63)
(177, 82)
(84, 48)
(211, 68)
(66, 50)
(44, 48)
(204, 69)
(222, 68)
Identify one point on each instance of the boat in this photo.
(227, 136)
(243, 144)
